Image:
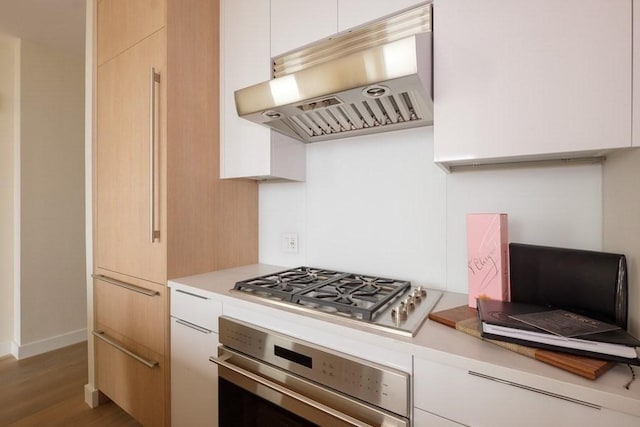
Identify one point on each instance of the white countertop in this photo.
(442, 344)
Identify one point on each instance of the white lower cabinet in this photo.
(194, 379)
(475, 399)
(426, 419)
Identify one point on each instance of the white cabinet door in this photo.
(426, 419)
(518, 79)
(295, 23)
(245, 60)
(480, 400)
(352, 13)
(194, 379)
(247, 150)
(636, 73)
(198, 308)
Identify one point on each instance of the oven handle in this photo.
(222, 361)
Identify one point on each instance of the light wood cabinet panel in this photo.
(135, 387)
(204, 223)
(131, 312)
(516, 80)
(123, 23)
(123, 171)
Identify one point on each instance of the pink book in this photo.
(487, 257)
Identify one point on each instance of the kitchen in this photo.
(397, 214)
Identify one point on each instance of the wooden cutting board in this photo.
(465, 319)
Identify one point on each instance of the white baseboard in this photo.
(5, 348)
(91, 396)
(48, 344)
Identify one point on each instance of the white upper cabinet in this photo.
(248, 150)
(295, 23)
(352, 13)
(519, 80)
(636, 73)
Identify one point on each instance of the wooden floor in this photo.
(48, 390)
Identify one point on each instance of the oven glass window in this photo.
(239, 408)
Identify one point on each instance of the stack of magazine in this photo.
(556, 329)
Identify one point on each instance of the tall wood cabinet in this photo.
(160, 209)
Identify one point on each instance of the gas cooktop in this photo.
(387, 304)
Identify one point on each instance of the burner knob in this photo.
(422, 291)
(409, 303)
(417, 296)
(403, 313)
(399, 312)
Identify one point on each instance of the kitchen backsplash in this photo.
(378, 204)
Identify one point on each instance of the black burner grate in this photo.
(361, 296)
(285, 284)
(355, 295)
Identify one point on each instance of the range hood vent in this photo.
(374, 78)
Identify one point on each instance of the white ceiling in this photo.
(55, 23)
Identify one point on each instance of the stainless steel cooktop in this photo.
(386, 304)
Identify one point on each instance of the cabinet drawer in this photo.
(132, 314)
(196, 307)
(426, 419)
(475, 399)
(194, 379)
(135, 387)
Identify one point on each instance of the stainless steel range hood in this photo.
(374, 78)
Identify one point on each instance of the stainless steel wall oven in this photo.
(269, 379)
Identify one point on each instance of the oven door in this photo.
(252, 393)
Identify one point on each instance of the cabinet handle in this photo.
(155, 78)
(134, 288)
(148, 363)
(190, 294)
(192, 326)
(535, 390)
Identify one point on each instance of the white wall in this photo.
(552, 206)
(378, 204)
(622, 221)
(52, 280)
(8, 81)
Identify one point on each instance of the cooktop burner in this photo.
(387, 303)
(361, 296)
(286, 284)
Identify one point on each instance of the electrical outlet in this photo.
(290, 243)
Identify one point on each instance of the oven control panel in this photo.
(382, 386)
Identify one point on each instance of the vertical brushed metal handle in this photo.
(155, 78)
